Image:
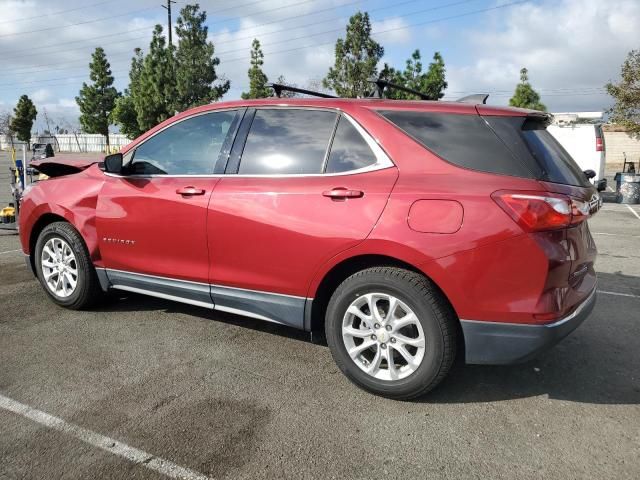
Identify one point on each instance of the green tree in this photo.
(23, 116)
(431, 83)
(626, 110)
(356, 59)
(257, 78)
(525, 96)
(124, 113)
(155, 94)
(97, 100)
(195, 61)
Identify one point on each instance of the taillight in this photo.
(541, 211)
(599, 144)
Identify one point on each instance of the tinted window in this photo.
(189, 147)
(542, 153)
(287, 141)
(464, 140)
(349, 151)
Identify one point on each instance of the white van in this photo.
(585, 143)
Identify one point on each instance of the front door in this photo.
(152, 220)
(289, 204)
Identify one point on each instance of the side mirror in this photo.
(113, 163)
(589, 174)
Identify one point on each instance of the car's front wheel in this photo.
(64, 267)
(391, 332)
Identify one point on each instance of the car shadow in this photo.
(597, 364)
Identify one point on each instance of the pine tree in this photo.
(155, 94)
(124, 113)
(431, 83)
(257, 78)
(356, 59)
(23, 116)
(97, 100)
(195, 61)
(626, 110)
(525, 96)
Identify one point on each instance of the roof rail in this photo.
(382, 84)
(279, 88)
(477, 98)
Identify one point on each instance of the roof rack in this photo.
(477, 98)
(279, 88)
(382, 84)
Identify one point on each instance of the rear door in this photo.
(302, 185)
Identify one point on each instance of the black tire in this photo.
(437, 318)
(87, 291)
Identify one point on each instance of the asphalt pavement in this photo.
(146, 388)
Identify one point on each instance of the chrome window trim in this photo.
(132, 151)
(383, 161)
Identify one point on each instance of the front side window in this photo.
(349, 150)
(189, 147)
(287, 141)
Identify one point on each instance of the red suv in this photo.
(407, 232)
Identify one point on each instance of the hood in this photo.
(65, 164)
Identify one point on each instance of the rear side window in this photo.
(349, 150)
(287, 141)
(464, 140)
(188, 147)
(529, 139)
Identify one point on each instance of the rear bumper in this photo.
(496, 343)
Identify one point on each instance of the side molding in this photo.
(271, 307)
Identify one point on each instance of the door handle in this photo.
(189, 191)
(341, 193)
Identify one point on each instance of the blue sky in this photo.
(571, 47)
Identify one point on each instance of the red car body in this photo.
(288, 239)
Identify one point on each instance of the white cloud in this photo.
(393, 30)
(41, 95)
(569, 47)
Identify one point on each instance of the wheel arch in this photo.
(40, 224)
(316, 308)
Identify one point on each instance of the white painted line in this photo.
(634, 212)
(615, 234)
(609, 188)
(619, 294)
(10, 251)
(140, 457)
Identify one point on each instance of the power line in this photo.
(28, 69)
(59, 27)
(60, 12)
(418, 12)
(395, 5)
(452, 17)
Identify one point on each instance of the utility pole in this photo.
(168, 9)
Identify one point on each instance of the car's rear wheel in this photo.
(391, 332)
(64, 268)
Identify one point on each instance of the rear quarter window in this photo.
(464, 140)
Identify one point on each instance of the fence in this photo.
(81, 142)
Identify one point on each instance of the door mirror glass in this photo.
(113, 163)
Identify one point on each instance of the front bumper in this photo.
(496, 343)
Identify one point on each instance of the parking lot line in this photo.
(140, 457)
(618, 294)
(10, 251)
(634, 212)
(615, 234)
